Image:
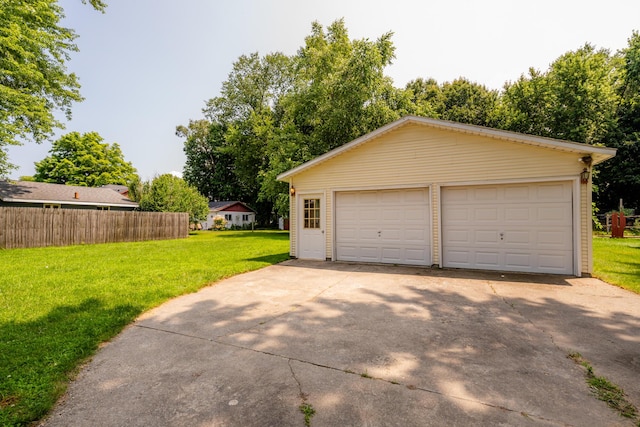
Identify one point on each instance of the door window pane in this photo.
(311, 213)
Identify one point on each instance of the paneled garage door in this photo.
(519, 227)
(387, 226)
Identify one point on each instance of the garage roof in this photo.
(598, 154)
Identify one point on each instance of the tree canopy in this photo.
(34, 81)
(168, 193)
(275, 112)
(83, 159)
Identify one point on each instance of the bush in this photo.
(219, 223)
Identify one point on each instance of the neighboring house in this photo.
(45, 195)
(122, 189)
(234, 212)
(430, 192)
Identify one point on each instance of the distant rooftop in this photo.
(225, 205)
(42, 192)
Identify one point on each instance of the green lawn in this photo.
(58, 304)
(617, 261)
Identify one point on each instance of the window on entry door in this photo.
(311, 213)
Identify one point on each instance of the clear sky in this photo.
(147, 66)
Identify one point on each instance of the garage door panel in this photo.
(369, 253)
(554, 214)
(391, 255)
(415, 236)
(555, 239)
(517, 193)
(552, 192)
(347, 252)
(486, 237)
(391, 235)
(417, 197)
(367, 234)
(390, 226)
(416, 214)
(487, 258)
(458, 214)
(485, 194)
(529, 227)
(486, 214)
(554, 261)
(458, 237)
(517, 214)
(349, 233)
(518, 260)
(518, 238)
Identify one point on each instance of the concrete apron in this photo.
(366, 345)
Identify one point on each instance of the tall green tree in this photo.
(209, 167)
(243, 118)
(575, 99)
(168, 193)
(619, 178)
(341, 91)
(34, 81)
(83, 159)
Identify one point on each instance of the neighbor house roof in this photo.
(598, 154)
(122, 189)
(233, 206)
(42, 192)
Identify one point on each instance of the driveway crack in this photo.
(309, 411)
(531, 322)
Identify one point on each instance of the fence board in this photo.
(34, 227)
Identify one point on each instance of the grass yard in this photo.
(617, 261)
(58, 304)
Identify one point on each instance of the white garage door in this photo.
(520, 227)
(387, 226)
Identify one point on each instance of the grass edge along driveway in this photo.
(58, 304)
(617, 261)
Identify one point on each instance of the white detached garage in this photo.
(428, 192)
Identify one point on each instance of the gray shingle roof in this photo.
(221, 206)
(42, 192)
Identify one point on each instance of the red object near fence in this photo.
(618, 222)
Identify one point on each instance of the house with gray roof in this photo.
(46, 195)
(234, 212)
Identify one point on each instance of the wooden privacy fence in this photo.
(33, 227)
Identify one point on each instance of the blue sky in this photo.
(147, 66)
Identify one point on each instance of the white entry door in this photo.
(517, 227)
(311, 236)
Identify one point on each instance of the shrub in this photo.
(219, 223)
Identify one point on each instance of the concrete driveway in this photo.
(366, 345)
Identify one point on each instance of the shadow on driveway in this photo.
(366, 345)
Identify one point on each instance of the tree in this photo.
(574, 100)
(341, 91)
(619, 178)
(168, 193)
(209, 167)
(467, 102)
(77, 159)
(426, 96)
(34, 81)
